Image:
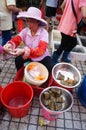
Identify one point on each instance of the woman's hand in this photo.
(26, 53)
(8, 47)
(18, 51)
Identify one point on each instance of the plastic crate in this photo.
(37, 90)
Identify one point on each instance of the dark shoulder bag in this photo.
(81, 24)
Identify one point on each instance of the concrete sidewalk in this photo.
(74, 119)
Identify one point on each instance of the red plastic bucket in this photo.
(36, 89)
(0, 96)
(17, 97)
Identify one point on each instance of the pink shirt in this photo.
(32, 42)
(68, 21)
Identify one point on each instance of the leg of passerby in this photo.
(56, 54)
(6, 36)
(13, 31)
(48, 16)
(70, 43)
(50, 9)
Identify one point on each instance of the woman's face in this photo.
(32, 24)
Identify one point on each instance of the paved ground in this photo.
(74, 119)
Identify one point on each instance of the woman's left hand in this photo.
(18, 51)
(26, 53)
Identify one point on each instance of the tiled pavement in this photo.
(74, 119)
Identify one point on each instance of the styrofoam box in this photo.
(78, 56)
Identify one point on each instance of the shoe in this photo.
(66, 60)
(65, 57)
(6, 57)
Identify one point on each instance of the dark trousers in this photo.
(67, 44)
(47, 61)
(6, 36)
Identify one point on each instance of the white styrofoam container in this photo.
(78, 56)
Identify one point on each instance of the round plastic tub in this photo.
(17, 97)
(36, 89)
(38, 68)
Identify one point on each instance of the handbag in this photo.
(81, 24)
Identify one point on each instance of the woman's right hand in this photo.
(18, 51)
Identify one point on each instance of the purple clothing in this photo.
(1, 49)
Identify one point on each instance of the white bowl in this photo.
(32, 80)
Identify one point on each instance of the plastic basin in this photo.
(17, 97)
(36, 89)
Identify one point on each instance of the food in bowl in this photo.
(66, 75)
(53, 99)
(56, 99)
(69, 81)
(36, 73)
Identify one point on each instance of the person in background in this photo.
(13, 31)
(50, 10)
(60, 3)
(1, 51)
(68, 27)
(35, 38)
(35, 3)
(6, 9)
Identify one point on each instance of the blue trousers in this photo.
(6, 36)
